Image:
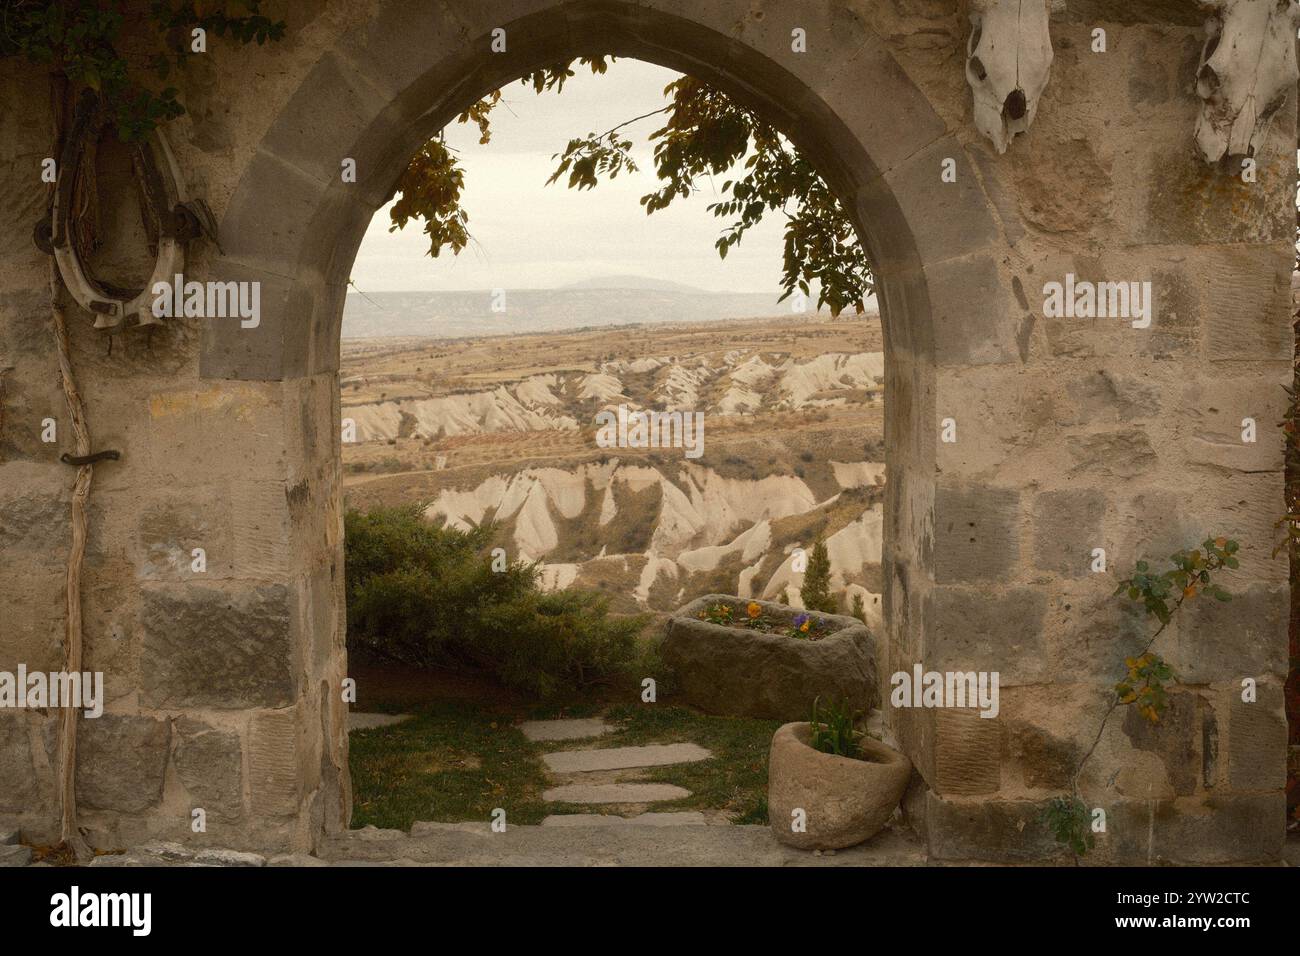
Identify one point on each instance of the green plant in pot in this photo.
(829, 785)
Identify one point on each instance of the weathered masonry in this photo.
(1072, 433)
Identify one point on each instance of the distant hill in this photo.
(633, 282)
(592, 303)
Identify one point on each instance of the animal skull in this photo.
(1247, 67)
(1008, 63)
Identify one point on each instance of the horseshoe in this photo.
(164, 192)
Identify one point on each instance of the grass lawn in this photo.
(459, 759)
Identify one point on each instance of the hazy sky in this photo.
(530, 235)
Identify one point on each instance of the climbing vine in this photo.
(87, 42)
(1144, 685)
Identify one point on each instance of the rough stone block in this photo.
(889, 141)
(1248, 309)
(14, 856)
(974, 630)
(32, 521)
(1120, 454)
(210, 765)
(1046, 760)
(1257, 741)
(336, 100)
(1067, 526)
(967, 753)
(273, 760)
(1225, 641)
(21, 789)
(280, 345)
(121, 762)
(996, 831)
(1224, 829)
(205, 647)
(971, 312)
(947, 219)
(976, 533)
(1175, 739)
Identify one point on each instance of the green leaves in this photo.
(1190, 577)
(1144, 685)
(705, 135)
(430, 189)
(832, 731)
(1067, 818)
(80, 39)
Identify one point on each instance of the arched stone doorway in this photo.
(1069, 436)
(293, 225)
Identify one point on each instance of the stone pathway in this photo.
(565, 729)
(600, 776)
(682, 818)
(363, 721)
(614, 793)
(623, 758)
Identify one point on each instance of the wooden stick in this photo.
(69, 833)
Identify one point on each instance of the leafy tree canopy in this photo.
(705, 135)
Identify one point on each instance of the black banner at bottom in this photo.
(366, 904)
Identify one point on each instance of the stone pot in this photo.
(744, 673)
(845, 800)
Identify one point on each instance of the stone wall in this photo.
(1071, 434)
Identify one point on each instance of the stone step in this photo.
(358, 720)
(459, 844)
(8, 837)
(623, 758)
(685, 818)
(614, 793)
(573, 729)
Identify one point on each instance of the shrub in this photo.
(816, 587)
(428, 596)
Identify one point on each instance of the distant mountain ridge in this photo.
(588, 304)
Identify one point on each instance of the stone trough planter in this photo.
(741, 672)
(844, 800)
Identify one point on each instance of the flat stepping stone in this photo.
(686, 818)
(623, 758)
(614, 793)
(362, 721)
(574, 729)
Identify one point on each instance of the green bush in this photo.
(816, 588)
(428, 596)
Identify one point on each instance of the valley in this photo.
(503, 429)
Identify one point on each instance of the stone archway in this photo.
(378, 95)
(1069, 436)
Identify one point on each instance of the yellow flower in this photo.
(805, 626)
(755, 609)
